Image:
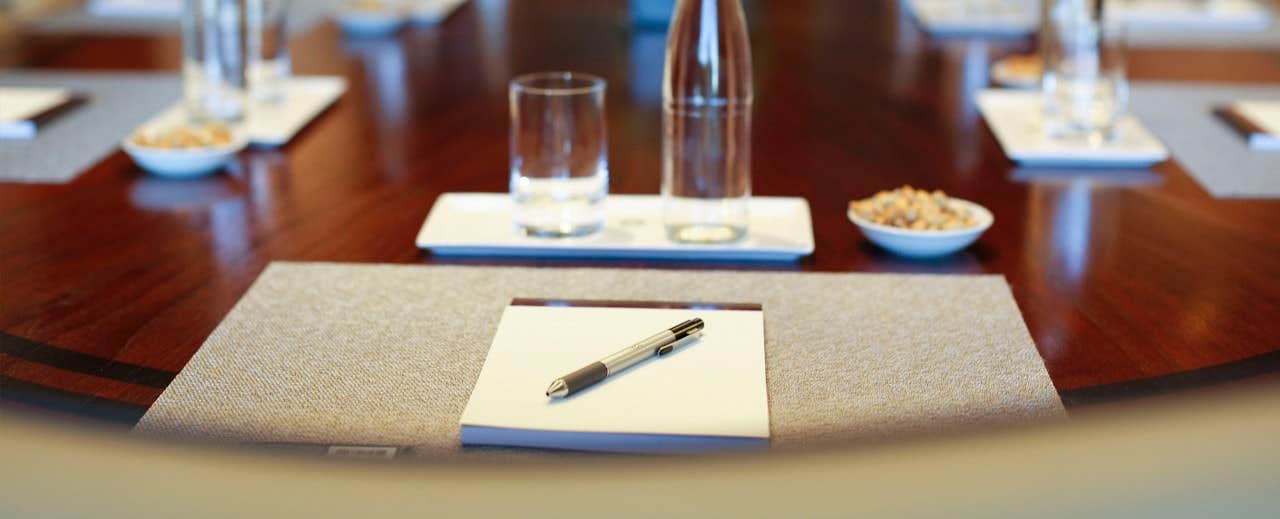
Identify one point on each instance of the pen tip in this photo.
(557, 389)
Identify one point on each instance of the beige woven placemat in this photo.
(387, 355)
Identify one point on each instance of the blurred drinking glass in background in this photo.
(213, 61)
(1084, 85)
(559, 154)
(268, 49)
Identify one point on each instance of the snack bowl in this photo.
(184, 162)
(1017, 71)
(926, 243)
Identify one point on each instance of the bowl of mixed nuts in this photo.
(184, 151)
(918, 223)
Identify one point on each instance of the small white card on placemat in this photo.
(709, 394)
(306, 97)
(21, 109)
(480, 224)
(1015, 118)
(1258, 121)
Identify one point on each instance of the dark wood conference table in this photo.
(1131, 283)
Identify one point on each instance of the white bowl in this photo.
(184, 162)
(925, 244)
(368, 23)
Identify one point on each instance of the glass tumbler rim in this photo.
(578, 83)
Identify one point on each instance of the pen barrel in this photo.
(637, 352)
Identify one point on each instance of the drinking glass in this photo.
(1084, 87)
(213, 62)
(559, 154)
(268, 42)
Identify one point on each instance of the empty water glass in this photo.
(213, 63)
(559, 154)
(268, 43)
(1084, 85)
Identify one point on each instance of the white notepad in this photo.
(1258, 121)
(22, 108)
(706, 396)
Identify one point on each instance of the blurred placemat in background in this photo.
(75, 140)
(1217, 156)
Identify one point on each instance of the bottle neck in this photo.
(708, 55)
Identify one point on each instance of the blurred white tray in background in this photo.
(970, 18)
(306, 97)
(1014, 116)
(164, 9)
(1233, 15)
(1022, 17)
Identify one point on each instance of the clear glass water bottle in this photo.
(706, 147)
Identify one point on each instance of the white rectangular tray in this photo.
(950, 18)
(276, 124)
(1014, 118)
(479, 224)
(1172, 15)
(1017, 18)
(157, 9)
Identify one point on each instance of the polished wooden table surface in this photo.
(1130, 282)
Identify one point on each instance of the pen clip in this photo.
(668, 348)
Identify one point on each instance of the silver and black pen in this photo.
(661, 343)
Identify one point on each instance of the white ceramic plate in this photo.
(925, 244)
(186, 162)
